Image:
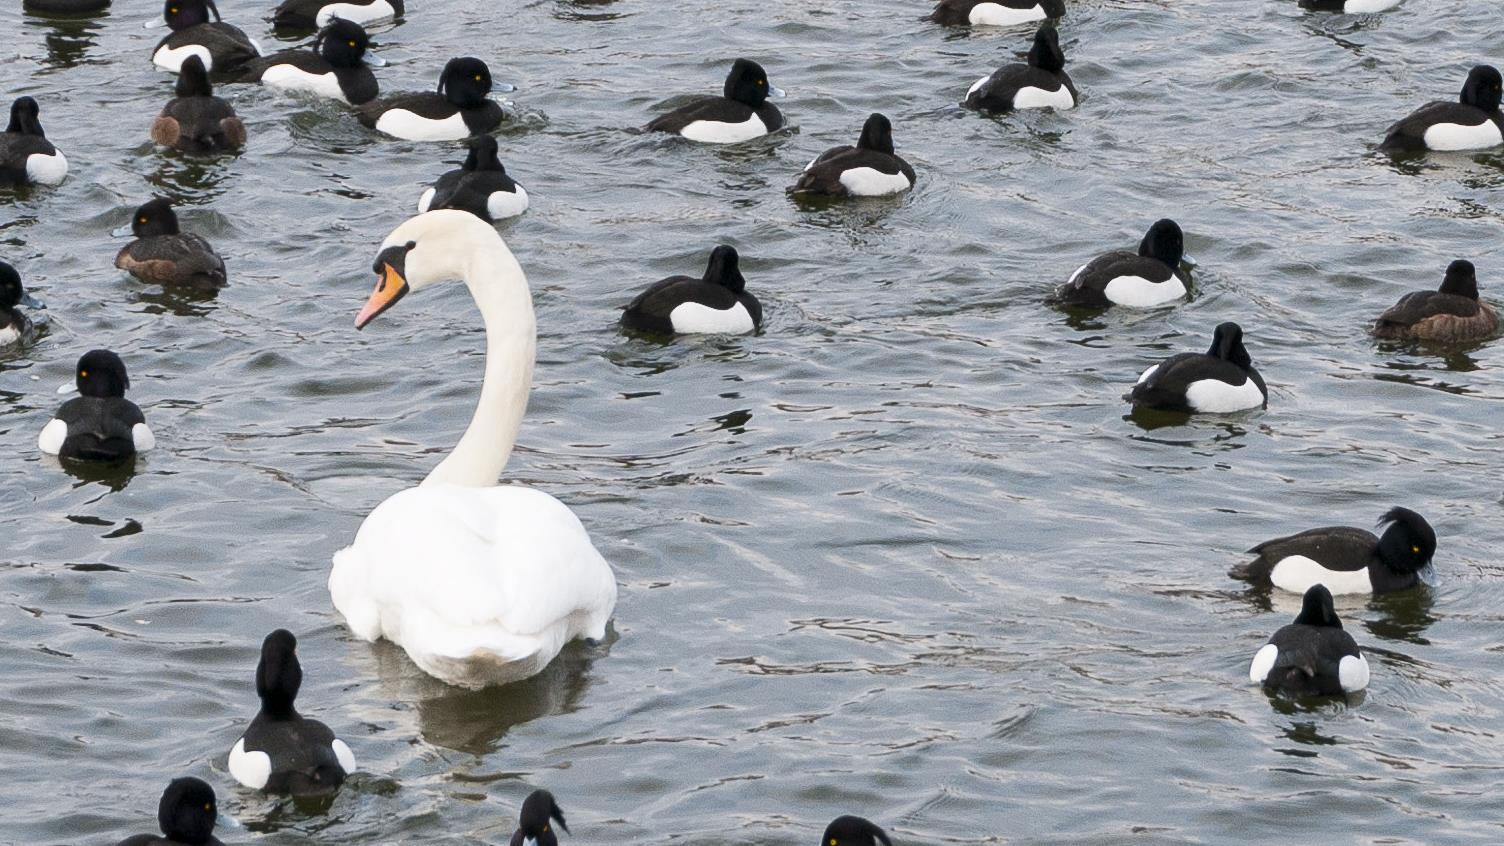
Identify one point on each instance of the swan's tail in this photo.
(347, 589)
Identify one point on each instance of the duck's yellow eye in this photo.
(351, 43)
(173, 10)
(477, 77)
(209, 807)
(83, 374)
(832, 840)
(1415, 549)
(140, 220)
(545, 828)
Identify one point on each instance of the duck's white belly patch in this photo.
(700, 319)
(996, 14)
(290, 78)
(46, 170)
(1298, 573)
(871, 182)
(1038, 98)
(171, 58)
(1138, 292)
(402, 123)
(1215, 396)
(354, 13)
(1448, 137)
(717, 132)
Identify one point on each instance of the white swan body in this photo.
(480, 584)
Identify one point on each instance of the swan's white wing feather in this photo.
(479, 585)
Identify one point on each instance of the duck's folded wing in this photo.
(1409, 133)
(711, 108)
(1344, 548)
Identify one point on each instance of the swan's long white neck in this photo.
(499, 288)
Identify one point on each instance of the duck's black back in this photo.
(301, 751)
(100, 428)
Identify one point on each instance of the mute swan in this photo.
(481, 584)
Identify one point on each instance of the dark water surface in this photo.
(902, 555)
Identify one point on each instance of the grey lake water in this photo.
(904, 554)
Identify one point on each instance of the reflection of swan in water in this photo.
(476, 721)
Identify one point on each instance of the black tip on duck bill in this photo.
(877, 134)
(1461, 279)
(1316, 608)
(724, 269)
(391, 284)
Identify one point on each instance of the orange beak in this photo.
(390, 287)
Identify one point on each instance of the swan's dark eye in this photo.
(410, 245)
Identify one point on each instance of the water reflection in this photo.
(1305, 732)
(1456, 358)
(113, 475)
(475, 721)
(1433, 384)
(1223, 432)
(182, 301)
(1471, 169)
(1403, 615)
(68, 37)
(866, 210)
(584, 10)
(1150, 419)
(187, 176)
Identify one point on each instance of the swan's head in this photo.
(433, 247)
